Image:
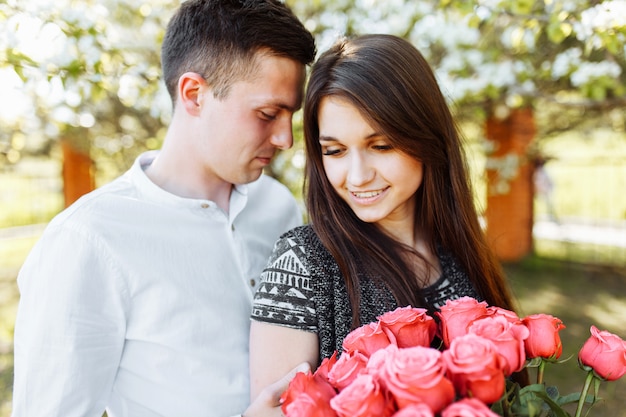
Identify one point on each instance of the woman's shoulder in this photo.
(303, 232)
(303, 243)
(302, 236)
(294, 244)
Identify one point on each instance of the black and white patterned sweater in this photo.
(302, 288)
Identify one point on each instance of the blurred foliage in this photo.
(88, 71)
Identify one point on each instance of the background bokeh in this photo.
(81, 96)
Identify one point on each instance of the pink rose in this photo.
(308, 395)
(413, 375)
(499, 311)
(346, 369)
(325, 367)
(366, 339)
(468, 407)
(457, 315)
(305, 406)
(507, 336)
(544, 340)
(409, 326)
(415, 410)
(475, 368)
(363, 398)
(605, 353)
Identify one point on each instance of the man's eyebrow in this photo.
(282, 106)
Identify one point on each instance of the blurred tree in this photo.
(90, 70)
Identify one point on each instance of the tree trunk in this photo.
(77, 173)
(509, 213)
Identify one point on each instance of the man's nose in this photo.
(282, 137)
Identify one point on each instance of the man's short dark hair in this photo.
(220, 39)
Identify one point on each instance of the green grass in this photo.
(585, 253)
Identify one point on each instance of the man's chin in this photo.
(251, 176)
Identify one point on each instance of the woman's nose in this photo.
(359, 170)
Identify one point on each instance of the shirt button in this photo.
(232, 227)
(204, 205)
(252, 282)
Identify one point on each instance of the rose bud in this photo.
(457, 315)
(409, 326)
(366, 339)
(605, 353)
(544, 340)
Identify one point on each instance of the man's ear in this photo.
(191, 89)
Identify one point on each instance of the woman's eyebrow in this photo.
(373, 135)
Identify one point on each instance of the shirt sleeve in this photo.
(285, 295)
(69, 331)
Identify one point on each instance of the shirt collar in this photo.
(153, 192)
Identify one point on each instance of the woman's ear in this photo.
(191, 89)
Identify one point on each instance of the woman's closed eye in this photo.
(330, 150)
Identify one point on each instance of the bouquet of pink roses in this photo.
(388, 368)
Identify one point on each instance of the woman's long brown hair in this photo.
(389, 81)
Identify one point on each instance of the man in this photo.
(137, 298)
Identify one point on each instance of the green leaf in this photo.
(569, 398)
(554, 406)
(553, 392)
(527, 402)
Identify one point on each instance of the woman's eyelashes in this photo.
(330, 151)
(334, 150)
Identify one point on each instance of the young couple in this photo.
(137, 299)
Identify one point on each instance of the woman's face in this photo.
(377, 181)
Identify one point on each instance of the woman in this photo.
(393, 221)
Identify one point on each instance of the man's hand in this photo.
(267, 404)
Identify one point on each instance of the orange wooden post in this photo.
(509, 215)
(77, 173)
